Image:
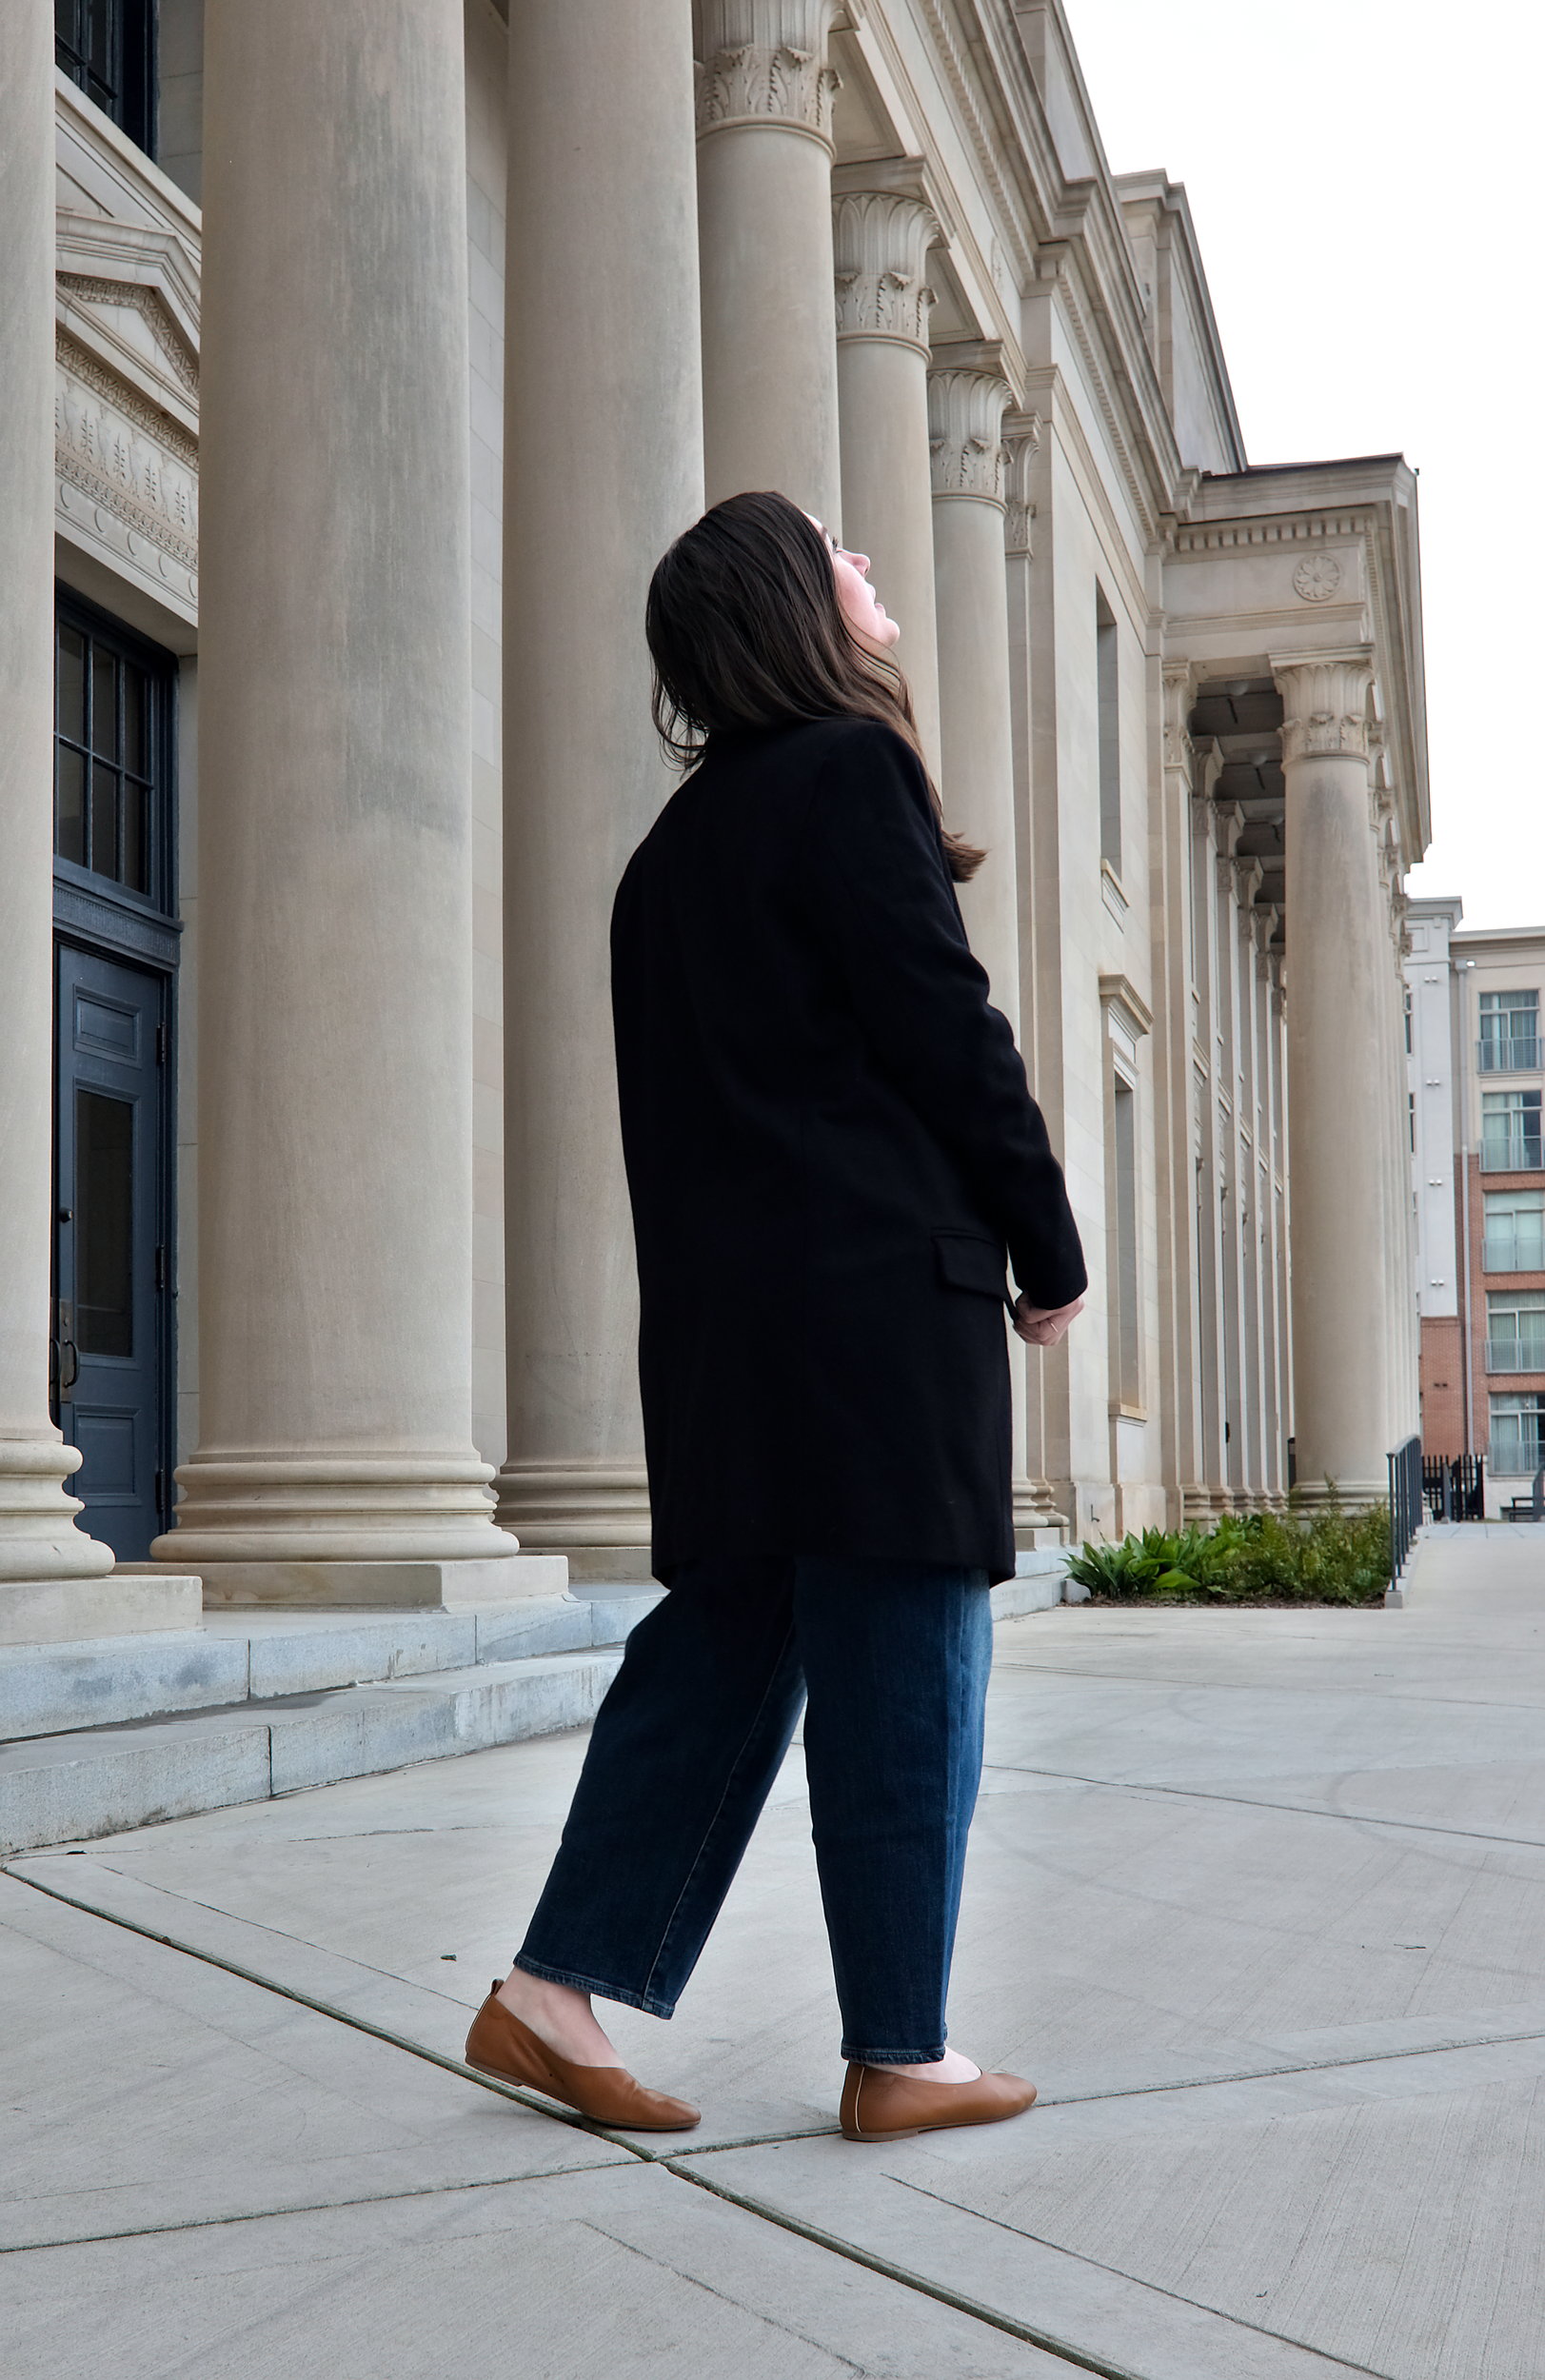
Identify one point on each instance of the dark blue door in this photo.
(111, 1323)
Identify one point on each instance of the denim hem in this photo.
(644, 2000)
(893, 2058)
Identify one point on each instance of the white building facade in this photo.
(359, 364)
(1478, 1082)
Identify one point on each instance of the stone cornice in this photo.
(1324, 703)
(1118, 992)
(966, 405)
(764, 63)
(880, 240)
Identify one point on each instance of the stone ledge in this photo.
(68, 1611)
(50, 1690)
(75, 1787)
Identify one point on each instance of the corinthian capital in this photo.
(880, 240)
(966, 405)
(765, 62)
(1325, 702)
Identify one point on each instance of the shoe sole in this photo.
(518, 2082)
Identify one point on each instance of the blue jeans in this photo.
(894, 1659)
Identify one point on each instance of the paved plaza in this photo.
(1258, 1898)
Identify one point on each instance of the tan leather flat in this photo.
(500, 2044)
(877, 2105)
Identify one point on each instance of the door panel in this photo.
(112, 1271)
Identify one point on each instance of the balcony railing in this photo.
(1525, 1354)
(1520, 1154)
(1509, 1053)
(1510, 1252)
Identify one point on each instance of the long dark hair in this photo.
(745, 631)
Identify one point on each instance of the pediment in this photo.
(128, 300)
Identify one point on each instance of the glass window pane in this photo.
(136, 858)
(104, 703)
(69, 823)
(64, 21)
(103, 858)
(136, 721)
(102, 13)
(104, 1224)
(72, 685)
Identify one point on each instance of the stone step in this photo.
(233, 1658)
(70, 1788)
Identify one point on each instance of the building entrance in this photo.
(111, 1343)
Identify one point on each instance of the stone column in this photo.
(45, 1561)
(1338, 1079)
(602, 467)
(966, 419)
(1213, 1496)
(882, 230)
(765, 152)
(1177, 1137)
(335, 1460)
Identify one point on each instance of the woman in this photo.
(830, 1147)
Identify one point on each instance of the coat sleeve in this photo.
(887, 912)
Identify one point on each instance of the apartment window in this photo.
(1517, 1442)
(1515, 1330)
(107, 49)
(112, 699)
(1515, 1240)
(1408, 1020)
(1107, 684)
(1509, 1124)
(1126, 1350)
(1509, 1032)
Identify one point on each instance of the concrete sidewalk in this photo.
(1257, 1898)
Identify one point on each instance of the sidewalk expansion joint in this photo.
(1256, 1801)
(311, 2206)
(1197, 2305)
(531, 2099)
(1029, 2332)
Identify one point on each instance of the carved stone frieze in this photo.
(1324, 703)
(124, 454)
(170, 348)
(765, 62)
(880, 241)
(965, 432)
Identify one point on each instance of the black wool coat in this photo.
(830, 1146)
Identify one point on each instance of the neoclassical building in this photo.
(358, 362)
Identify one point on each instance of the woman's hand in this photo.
(1042, 1326)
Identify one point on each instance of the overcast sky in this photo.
(1363, 178)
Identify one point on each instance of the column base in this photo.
(425, 1586)
(1349, 1496)
(595, 1513)
(125, 1603)
(1036, 1520)
(317, 1510)
(39, 1541)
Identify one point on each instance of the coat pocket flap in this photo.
(969, 1260)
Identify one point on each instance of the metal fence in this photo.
(1455, 1486)
(1509, 1053)
(1405, 1504)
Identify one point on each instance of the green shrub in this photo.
(1247, 1558)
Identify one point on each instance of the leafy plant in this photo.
(1331, 1557)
